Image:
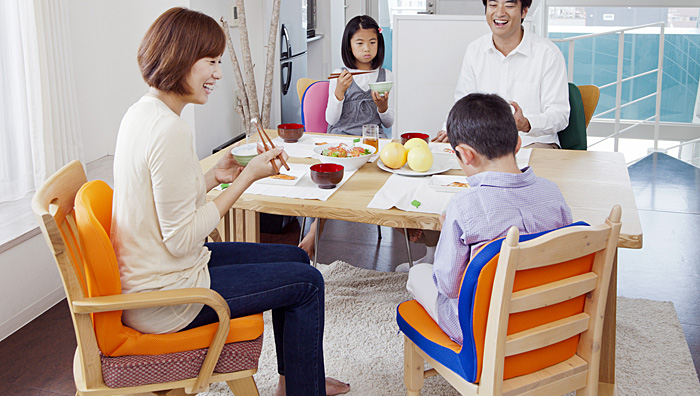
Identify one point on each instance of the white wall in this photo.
(29, 284)
(105, 36)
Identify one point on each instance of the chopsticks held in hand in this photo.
(336, 75)
(264, 135)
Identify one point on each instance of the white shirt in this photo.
(160, 215)
(335, 107)
(533, 75)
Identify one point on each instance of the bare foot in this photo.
(414, 234)
(308, 243)
(335, 387)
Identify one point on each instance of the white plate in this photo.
(297, 173)
(440, 183)
(440, 164)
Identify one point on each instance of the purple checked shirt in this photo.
(495, 202)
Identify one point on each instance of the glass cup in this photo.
(370, 136)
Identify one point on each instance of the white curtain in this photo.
(38, 112)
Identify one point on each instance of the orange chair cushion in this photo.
(93, 212)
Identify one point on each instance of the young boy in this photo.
(482, 131)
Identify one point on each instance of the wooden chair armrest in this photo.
(158, 298)
(161, 298)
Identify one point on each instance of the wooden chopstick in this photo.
(262, 132)
(336, 75)
(272, 161)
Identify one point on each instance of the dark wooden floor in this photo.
(37, 360)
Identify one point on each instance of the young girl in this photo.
(351, 103)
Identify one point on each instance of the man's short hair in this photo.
(174, 43)
(485, 122)
(525, 3)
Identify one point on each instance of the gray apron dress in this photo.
(358, 110)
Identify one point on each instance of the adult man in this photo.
(523, 68)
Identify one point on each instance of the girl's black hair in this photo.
(355, 24)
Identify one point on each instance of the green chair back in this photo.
(574, 136)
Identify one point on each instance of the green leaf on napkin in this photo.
(415, 203)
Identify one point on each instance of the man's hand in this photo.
(382, 102)
(441, 137)
(521, 122)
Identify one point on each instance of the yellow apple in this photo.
(393, 155)
(420, 159)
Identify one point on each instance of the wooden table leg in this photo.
(607, 353)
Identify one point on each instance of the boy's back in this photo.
(482, 131)
(496, 201)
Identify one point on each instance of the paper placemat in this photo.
(303, 189)
(411, 194)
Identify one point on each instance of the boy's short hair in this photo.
(485, 122)
(355, 24)
(173, 44)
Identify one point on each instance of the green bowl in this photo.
(245, 152)
(381, 87)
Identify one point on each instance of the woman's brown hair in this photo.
(174, 43)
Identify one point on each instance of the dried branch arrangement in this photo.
(248, 106)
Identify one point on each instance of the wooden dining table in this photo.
(590, 181)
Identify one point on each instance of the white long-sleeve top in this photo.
(160, 215)
(533, 75)
(335, 107)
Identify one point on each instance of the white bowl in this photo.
(245, 152)
(350, 163)
(381, 87)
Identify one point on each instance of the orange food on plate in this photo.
(320, 143)
(283, 177)
(457, 184)
(448, 150)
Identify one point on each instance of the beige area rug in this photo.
(363, 346)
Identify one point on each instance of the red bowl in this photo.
(327, 175)
(290, 133)
(410, 135)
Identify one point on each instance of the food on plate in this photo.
(457, 184)
(448, 150)
(283, 177)
(419, 158)
(393, 155)
(415, 142)
(343, 151)
(321, 143)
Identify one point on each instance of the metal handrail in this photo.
(619, 80)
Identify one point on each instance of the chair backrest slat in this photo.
(53, 205)
(552, 293)
(555, 248)
(547, 334)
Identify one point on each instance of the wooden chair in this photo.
(302, 84)
(582, 100)
(112, 359)
(590, 94)
(531, 312)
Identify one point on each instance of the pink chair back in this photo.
(313, 107)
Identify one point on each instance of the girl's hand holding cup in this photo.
(382, 101)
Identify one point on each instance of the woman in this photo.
(161, 215)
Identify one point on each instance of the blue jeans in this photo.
(253, 278)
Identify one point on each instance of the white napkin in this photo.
(304, 189)
(523, 157)
(401, 192)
